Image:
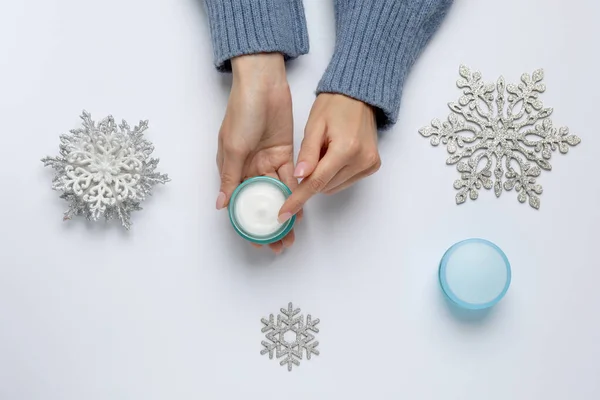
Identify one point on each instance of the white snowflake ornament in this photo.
(289, 338)
(105, 170)
(511, 135)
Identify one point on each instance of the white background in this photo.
(171, 310)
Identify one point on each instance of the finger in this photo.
(310, 150)
(327, 168)
(289, 239)
(231, 176)
(256, 245)
(220, 155)
(286, 174)
(273, 175)
(345, 174)
(291, 183)
(352, 180)
(277, 247)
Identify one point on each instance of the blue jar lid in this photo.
(475, 274)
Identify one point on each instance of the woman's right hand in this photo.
(256, 136)
(338, 150)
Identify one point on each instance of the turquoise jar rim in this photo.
(278, 235)
(452, 296)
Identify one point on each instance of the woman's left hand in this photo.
(256, 137)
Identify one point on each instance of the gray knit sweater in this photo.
(377, 41)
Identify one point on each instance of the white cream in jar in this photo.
(254, 208)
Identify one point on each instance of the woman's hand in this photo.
(256, 136)
(339, 148)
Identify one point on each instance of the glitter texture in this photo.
(105, 170)
(289, 324)
(500, 126)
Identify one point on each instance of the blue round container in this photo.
(283, 230)
(474, 274)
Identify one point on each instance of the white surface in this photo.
(257, 206)
(172, 309)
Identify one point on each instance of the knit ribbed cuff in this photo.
(377, 43)
(241, 27)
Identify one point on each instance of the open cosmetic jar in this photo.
(254, 207)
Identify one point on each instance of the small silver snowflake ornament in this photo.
(512, 133)
(289, 338)
(105, 170)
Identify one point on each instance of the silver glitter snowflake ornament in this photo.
(289, 338)
(105, 170)
(513, 133)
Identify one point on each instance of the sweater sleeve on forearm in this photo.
(377, 41)
(239, 27)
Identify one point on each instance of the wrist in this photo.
(350, 103)
(262, 69)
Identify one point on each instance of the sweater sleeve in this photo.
(377, 41)
(239, 27)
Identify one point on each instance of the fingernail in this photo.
(221, 200)
(284, 217)
(300, 170)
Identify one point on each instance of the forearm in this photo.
(241, 27)
(377, 43)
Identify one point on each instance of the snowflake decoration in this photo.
(514, 133)
(298, 341)
(104, 169)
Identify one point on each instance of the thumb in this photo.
(310, 150)
(231, 177)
